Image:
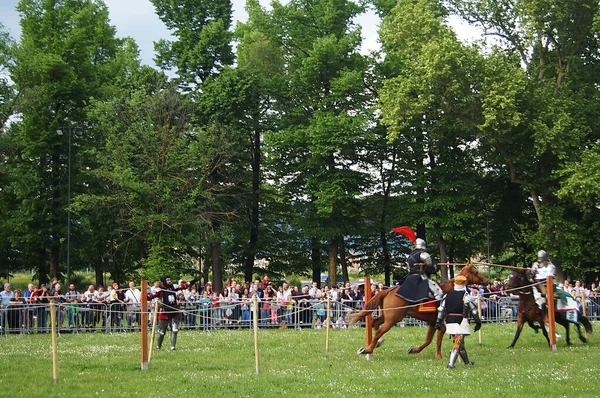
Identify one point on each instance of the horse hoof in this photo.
(361, 351)
(411, 350)
(379, 343)
(369, 357)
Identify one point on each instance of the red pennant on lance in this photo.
(406, 231)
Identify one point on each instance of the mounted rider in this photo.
(417, 286)
(455, 308)
(541, 269)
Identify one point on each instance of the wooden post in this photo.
(550, 306)
(154, 320)
(256, 351)
(328, 323)
(144, 324)
(368, 318)
(54, 351)
(479, 313)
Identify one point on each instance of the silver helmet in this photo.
(542, 255)
(420, 244)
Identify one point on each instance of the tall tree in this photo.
(322, 119)
(201, 50)
(64, 59)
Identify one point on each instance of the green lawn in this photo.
(293, 363)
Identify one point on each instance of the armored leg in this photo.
(174, 330)
(463, 354)
(455, 351)
(162, 329)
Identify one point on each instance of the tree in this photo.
(322, 120)
(64, 59)
(529, 110)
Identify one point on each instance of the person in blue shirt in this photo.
(5, 296)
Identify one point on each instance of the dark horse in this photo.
(394, 309)
(530, 312)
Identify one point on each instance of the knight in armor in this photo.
(417, 285)
(168, 314)
(542, 269)
(455, 308)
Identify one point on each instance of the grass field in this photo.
(293, 363)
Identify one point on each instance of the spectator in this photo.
(72, 299)
(132, 298)
(87, 313)
(16, 315)
(245, 304)
(320, 309)
(265, 281)
(115, 304)
(356, 295)
(53, 283)
(230, 281)
(205, 311)
(59, 299)
(305, 313)
(5, 297)
(28, 296)
(99, 306)
(315, 292)
(43, 299)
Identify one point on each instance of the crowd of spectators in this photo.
(118, 308)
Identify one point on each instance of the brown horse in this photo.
(530, 312)
(394, 309)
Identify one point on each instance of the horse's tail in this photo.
(586, 324)
(370, 306)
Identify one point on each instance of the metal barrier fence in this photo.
(207, 315)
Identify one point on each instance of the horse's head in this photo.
(473, 276)
(517, 279)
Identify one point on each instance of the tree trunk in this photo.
(98, 270)
(255, 208)
(54, 262)
(333, 253)
(217, 266)
(206, 265)
(343, 259)
(443, 258)
(315, 256)
(42, 269)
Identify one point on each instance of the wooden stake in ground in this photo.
(368, 318)
(550, 306)
(328, 323)
(479, 313)
(144, 324)
(154, 320)
(54, 351)
(256, 351)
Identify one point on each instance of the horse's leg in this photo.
(428, 340)
(380, 332)
(438, 343)
(563, 321)
(581, 336)
(376, 325)
(520, 323)
(544, 331)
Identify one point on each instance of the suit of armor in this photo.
(455, 308)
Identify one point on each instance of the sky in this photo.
(137, 19)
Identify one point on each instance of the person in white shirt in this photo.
(314, 292)
(87, 310)
(132, 298)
